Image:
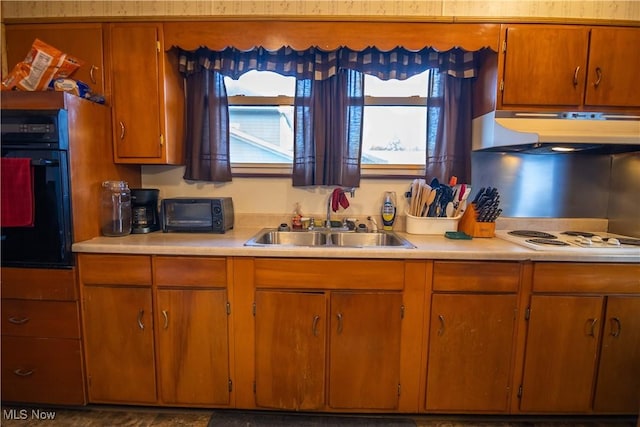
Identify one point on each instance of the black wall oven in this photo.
(41, 136)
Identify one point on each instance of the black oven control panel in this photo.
(33, 128)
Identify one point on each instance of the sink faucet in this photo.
(351, 191)
(374, 224)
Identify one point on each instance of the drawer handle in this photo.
(140, 315)
(165, 314)
(314, 326)
(575, 76)
(592, 327)
(339, 316)
(441, 329)
(91, 75)
(22, 373)
(18, 321)
(598, 77)
(616, 327)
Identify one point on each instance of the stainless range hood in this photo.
(550, 132)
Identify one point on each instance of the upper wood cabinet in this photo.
(569, 67)
(83, 41)
(147, 99)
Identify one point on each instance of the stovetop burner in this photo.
(550, 242)
(532, 233)
(578, 233)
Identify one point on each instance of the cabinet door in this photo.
(118, 326)
(136, 93)
(193, 346)
(470, 349)
(614, 58)
(618, 386)
(364, 366)
(560, 358)
(290, 349)
(545, 65)
(83, 41)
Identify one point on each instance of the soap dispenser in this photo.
(389, 210)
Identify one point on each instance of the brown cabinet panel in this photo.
(55, 319)
(545, 65)
(586, 277)
(364, 362)
(83, 41)
(118, 326)
(39, 284)
(135, 70)
(190, 271)
(329, 274)
(470, 350)
(115, 269)
(290, 349)
(618, 384)
(193, 346)
(476, 276)
(560, 358)
(42, 370)
(614, 59)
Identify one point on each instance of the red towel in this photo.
(16, 193)
(339, 198)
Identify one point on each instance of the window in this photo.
(395, 121)
(261, 118)
(261, 122)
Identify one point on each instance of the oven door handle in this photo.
(44, 162)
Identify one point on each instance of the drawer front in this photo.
(329, 274)
(30, 318)
(39, 283)
(115, 269)
(586, 277)
(476, 276)
(190, 271)
(42, 370)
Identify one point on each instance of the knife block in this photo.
(469, 224)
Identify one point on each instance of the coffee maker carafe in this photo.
(144, 210)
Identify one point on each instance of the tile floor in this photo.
(103, 416)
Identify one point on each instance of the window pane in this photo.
(261, 83)
(261, 133)
(394, 135)
(413, 86)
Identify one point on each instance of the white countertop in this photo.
(232, 242)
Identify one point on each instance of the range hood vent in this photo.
(553, 133)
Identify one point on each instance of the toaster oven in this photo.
(197, 215)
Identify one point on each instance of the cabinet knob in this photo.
(91, 75)
(140, 315)
(441, 329)
(339, 316)
(598, 77)
(314, 326)
(616, 327)
(165, 314)
(23, 373)
(121, 130)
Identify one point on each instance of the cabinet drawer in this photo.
(586, 277)
(40, 318)
(39, 283)
(115, 269)
(190, 271)
(42, 370)
(476, 276)
(329, 274)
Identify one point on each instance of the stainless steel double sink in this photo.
(323, 238)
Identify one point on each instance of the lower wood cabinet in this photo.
(353, 356)
(192, 346)
(471, 336)
(41, 345)
(583, 340)
(156, 329)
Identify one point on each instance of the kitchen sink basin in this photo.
(327, 238)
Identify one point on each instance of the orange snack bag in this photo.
(42, 64)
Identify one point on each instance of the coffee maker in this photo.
(144, 210)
